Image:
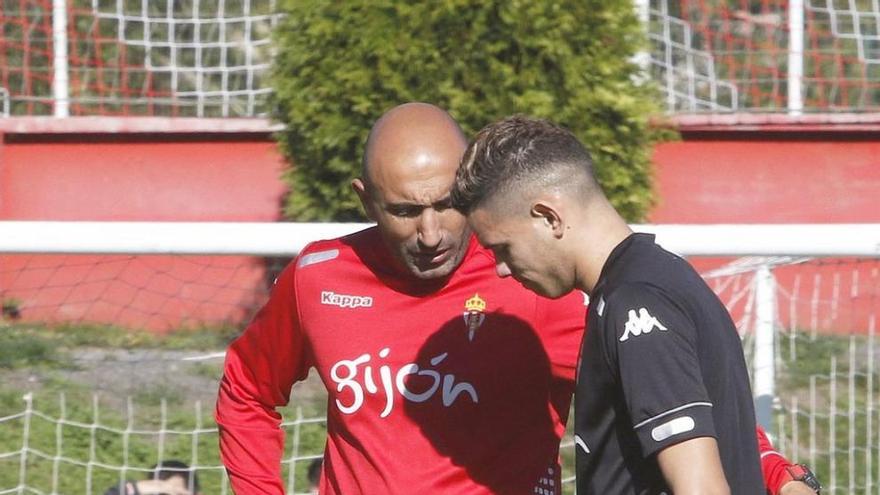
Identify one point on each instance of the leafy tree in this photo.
(340, 65)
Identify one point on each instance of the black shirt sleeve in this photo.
(651, 344)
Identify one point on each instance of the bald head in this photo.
(412, 135)
(409, 167)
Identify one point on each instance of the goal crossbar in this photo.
(288, 238)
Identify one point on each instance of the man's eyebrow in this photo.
(404, 204)
(444, 201)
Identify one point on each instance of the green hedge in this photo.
(340, 65)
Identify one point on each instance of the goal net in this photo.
(742, 55)
(152, 292)
(103, 414)
(211, 58)
(165, 58)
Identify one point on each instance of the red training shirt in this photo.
(458, 388)
(773, 464)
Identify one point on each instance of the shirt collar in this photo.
(613, 263)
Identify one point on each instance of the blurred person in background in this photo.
(314, 475)
(171, 477)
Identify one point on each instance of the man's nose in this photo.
(502, 269)
(429, 229)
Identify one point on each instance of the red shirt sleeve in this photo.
(773, 464)
(261, 367)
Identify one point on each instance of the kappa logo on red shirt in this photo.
(345, 301)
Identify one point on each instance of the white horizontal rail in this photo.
(286, 239)
(814, 240)
(260, 239)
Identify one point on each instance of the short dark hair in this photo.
(168, 469)
(515, 150)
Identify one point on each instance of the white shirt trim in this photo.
(671, 411)
(318, 257)
(581, 443)
(770, 452)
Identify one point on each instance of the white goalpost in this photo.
(804, 298)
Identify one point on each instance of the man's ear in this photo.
(549, 215)
(360, 188)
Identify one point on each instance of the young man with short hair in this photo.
(663, 403)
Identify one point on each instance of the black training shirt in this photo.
(661, 363)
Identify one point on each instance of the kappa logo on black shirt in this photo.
(640, 323)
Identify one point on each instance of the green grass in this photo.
(45, 351)
(105, 444)
(26, 348)
(814, 359)
(214, 371)
(99, 444)
(18, 350)
(105, 336)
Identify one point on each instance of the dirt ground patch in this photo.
(180, 377)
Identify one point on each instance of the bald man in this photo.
(441, 377)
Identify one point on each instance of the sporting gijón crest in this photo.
(474, 314)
